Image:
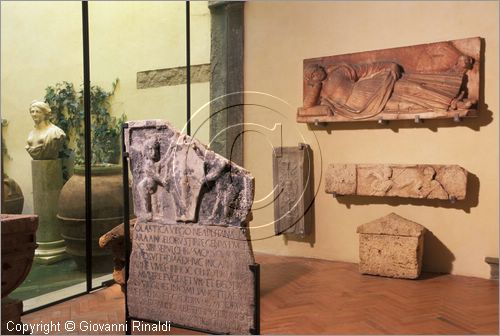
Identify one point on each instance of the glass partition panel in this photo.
(138, 59)
(200, 43)
(41, 53)
(138, 71)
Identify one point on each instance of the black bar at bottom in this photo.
(255, 268)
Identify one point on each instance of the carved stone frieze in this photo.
(413, 181)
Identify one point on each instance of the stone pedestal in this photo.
(391, 246)
(47, 184)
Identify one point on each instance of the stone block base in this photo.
(391, 256)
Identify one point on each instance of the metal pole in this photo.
(126, 224)
(255, 268)
(188, 69)
(87, 140)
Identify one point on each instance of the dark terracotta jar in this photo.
(18, 249)
(13, 198)
(107, 212)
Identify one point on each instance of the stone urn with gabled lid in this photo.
(391, 246)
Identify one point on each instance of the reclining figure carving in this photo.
(435, 80)
(362, 91)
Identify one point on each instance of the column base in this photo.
(50, 252)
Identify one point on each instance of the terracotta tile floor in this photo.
(310, 296)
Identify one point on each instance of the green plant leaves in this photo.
(67, 113)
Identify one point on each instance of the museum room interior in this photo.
(300, 167)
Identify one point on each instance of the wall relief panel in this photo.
(397, 180)
(428, 81)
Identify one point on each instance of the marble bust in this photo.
(46, 139)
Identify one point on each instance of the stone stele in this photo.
(391, 246)
(191, 253)
(428, 81)
(293, 191)
(413, 181)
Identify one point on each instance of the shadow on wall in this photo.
(437, 257)
(471, 199)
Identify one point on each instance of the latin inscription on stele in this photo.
(191, 253)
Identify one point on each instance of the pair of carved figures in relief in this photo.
(417, 183)
(360, 91)
(176, 179)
